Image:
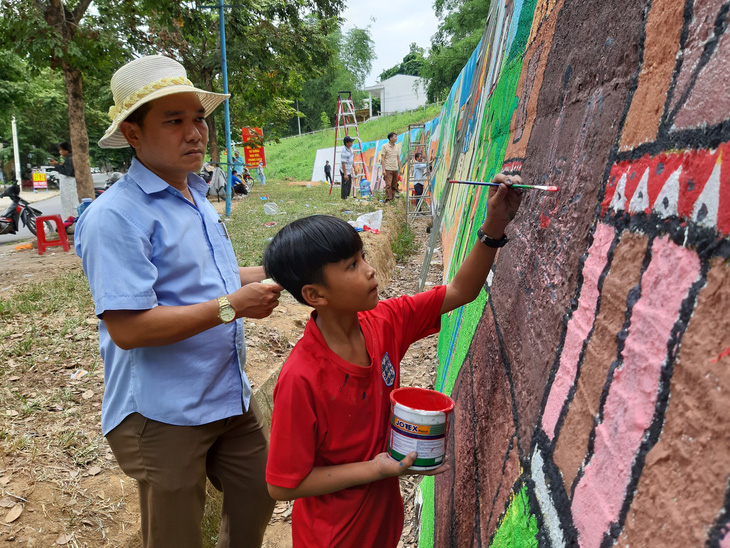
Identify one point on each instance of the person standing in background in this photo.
(238, 163)
(348, 160)
(66, 181)
(390, 160)
(260, 174)
(328, 172)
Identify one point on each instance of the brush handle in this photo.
(532, 187)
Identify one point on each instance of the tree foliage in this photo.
(411, 64)
(78, 43)
(269, 45)
(460, 29)
(346, 70)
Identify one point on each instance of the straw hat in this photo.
(144, 80)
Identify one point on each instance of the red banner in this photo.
(253, 146)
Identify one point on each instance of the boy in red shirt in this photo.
(331, 404)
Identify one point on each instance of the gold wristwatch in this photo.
(225, 311)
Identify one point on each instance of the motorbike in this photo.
(19, 211)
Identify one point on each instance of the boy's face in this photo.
(351, 285)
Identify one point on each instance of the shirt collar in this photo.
(151, 183)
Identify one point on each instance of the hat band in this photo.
(134, 98)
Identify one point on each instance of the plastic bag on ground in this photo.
(271, 208)
(369, 221)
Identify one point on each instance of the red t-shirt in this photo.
(328, 411)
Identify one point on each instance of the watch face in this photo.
(227, 314)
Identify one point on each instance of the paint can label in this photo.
(428, 440)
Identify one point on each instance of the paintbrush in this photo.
(533, 187)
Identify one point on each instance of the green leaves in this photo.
(461, 28)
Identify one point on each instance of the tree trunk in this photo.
(77, 128)
(65, 22)
(215, 154)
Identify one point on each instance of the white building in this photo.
(398, 93)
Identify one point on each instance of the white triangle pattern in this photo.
(618, 202)
(666, 203)
(640, 199)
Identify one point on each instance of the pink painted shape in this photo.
(578, 327)
(632, 396)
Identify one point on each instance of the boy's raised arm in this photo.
(323, 480)
(502, 206)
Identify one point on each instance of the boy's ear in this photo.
(313, 295)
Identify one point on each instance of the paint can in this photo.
(419, 420)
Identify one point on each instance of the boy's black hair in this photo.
(65, 146)
(299, 252)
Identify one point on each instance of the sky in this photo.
(397, 24)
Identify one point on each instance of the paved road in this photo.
(51, 206)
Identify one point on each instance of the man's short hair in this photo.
(65, 146)
(347, 139)
(391, 134)
(137, 117)
(299, 252)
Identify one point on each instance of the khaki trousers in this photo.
(391, 184)
(170, 464)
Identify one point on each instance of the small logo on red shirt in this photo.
(388, 370)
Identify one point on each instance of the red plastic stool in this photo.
(41, 233)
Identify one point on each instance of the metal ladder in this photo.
(421, 206)
(344, 122)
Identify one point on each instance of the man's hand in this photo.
(255, 300)
(388, 467)
(502, 204)
(53, 162)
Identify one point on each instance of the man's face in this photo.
(392, 139)
(348, 144)
(172, 141)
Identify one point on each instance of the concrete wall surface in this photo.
(592, 376)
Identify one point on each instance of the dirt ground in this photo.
(59, 482)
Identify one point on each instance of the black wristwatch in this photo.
(489, 241)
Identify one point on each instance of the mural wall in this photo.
(592, 376)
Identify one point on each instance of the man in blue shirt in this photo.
(163, 275)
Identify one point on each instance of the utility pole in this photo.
(224, 69)
(16, 155)
(299, 123)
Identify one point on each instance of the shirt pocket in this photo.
(227, 247)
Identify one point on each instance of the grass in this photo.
(247, 225)
(404, 243)
(293, 158)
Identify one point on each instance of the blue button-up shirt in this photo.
(143, 245)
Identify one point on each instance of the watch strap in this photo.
(491, 242)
